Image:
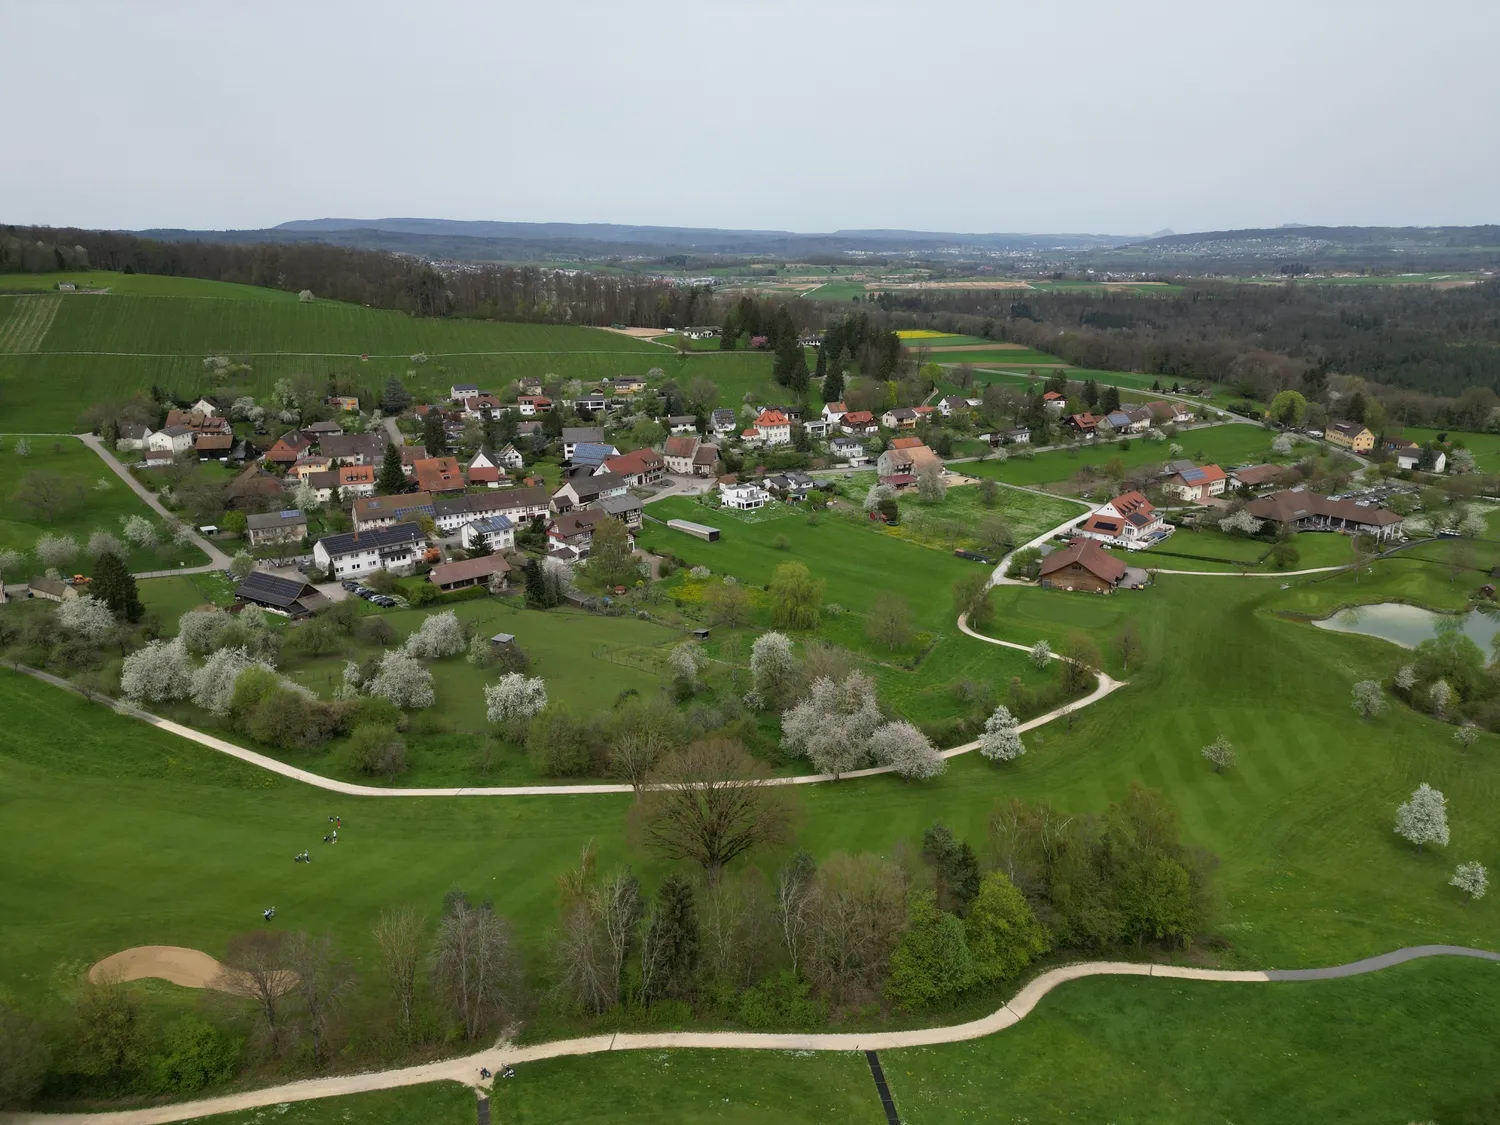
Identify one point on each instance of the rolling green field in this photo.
(93, 508)
(836, 291)
(141, 285)
(1226, 445)
(60, 353)
(957, 519)
(1485, 447)
(1009, 357)
(441, 1103)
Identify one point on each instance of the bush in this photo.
(376, 631)
(781, 1002)
(563, 746)
(193, 1056)
(376, 751)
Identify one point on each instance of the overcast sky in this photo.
(1111, 117)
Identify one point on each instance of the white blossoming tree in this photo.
(1424, 818)
(159, 672)
(833, 726)
(1001, 740)
(87, 617)
(1220, 754)
(440, 635)
(1041, 655)
(515, 697)
(1406, 677)
(1369, 701)
(199, 629)
(1471, 878)
(1283, 444)
(877, 493)
(1462, 461)
(402, 679)
(1465, 736)
(907, 751)
(773, 667)
(103, 543)
(684, 659)
(242, 564)
(1241, 521)
(1440, 699)
(56, 550)
(1473, 525)
(140, 532)
(12, 561)
(212, 683)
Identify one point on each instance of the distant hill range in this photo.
(1251, 249)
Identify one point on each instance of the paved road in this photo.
(218, 560)
(466, 1069)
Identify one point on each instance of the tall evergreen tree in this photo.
(1091, 394)
(1109, 400)
(669, 953)
(833, 383)
(114, 586)
(820, 372)
(390, 479)
(434, 438)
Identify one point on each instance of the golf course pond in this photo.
(1410, 625)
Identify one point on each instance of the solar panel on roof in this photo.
(1192, 474)
(290, 514)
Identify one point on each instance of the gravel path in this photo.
(466, 1069)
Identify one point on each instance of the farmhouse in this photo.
(290, 597)
(682, 423)
(397, 547)
(354, 449)
(469, 572)
(590, 456)
(627, 509)
(382, 511)
(678, 453)
(859, 422)
(319, 430)
(1128, 520)
(217, 447)
(50, 589)
(1082, 565)
(1352, 436)
(706, 461)
(439, 476)
(1198, 483)
(132, 435)
(638, 467)
(574, 531)
(495, 533)
(252, 486)
(484, 469)
(289, 526)
(1410, 455)
(743, 497)
(1308, 511)
(899, 418)
(172, 439)
(574, 435)
(1084, 424)
(1255, 476)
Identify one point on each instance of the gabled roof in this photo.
(772, 418)
(907, 442)
(491, 524)
(592, 453)
(439, 474)
(1349, 429)
(589, 487)
(1295, 504)
(706, 455)
(291, 517)
(579, 522)
(858, 418)
(583, 433)
(393, 507)
(1128, 502)
(636, 461)
(617, 505)
(372, 538)
(1256, 475)
(682, 445)
(465, 569)
(1088, 554)
(835, 408)
(273, 590)
(1201, 475)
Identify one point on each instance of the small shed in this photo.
(698, 530)
(500, 640)
(700, 634)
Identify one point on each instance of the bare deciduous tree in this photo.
(322, 980)
(794, 903)
(475, 965)
(859, 913)
(255, 967)
(704, 805)
(399, 935)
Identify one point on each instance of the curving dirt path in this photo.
(466, 1069)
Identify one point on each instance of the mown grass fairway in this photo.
(90, 507)
(1227, 445)
(440, 1103)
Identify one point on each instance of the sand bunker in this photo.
(191, 968)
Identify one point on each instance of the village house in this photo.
(156, 459)
(743, 497)
(1082, 565)
(197, 420)
(1129, 520)
(289, 597)
(574, 435)
(354, 449)
(571, 534)
(722, 423)
(132, 435)
(50, 589)
(899, 418)
(1117, 420)
(357, 553)
(320, 430)
(1085, 424)
(678, 452)
(1300, 510)
(848, 449)
(775, 428)
(588, 455)
(383, 511)
(706, 461)
(592, 402)
(410, 455)
(510, 457)
(1141, 420)
(1256, 476)
(309, 463)
(218, 447)
(1054, 402)
(439, 476)
(580, 491)
(1197, 484)
(1352, 436)
(531, 405)
(815, 427)
(833, 412)
(460, 391)
(1410, 455)
(484, 469)
(486, 570)
(493, 533)
(953, 405)
(206, 406)
(519, 505)
(252, 488)
(172, 439)
(793, 485)
(625, 508)
(638, 467)
(529, 385)
(859, 422)
(484, 406)
(289, 526)
(1019, 435)
(682, 423)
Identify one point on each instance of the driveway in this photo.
(218, 560)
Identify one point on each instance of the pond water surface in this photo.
(1409, 625)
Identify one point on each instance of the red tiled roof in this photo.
(858, 418)
(1128, 502)
(906, 442)
(438, 474)
(772, 418)
(683, 445)
(636, 461)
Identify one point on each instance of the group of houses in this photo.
(201, 431)
(1126, 421)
